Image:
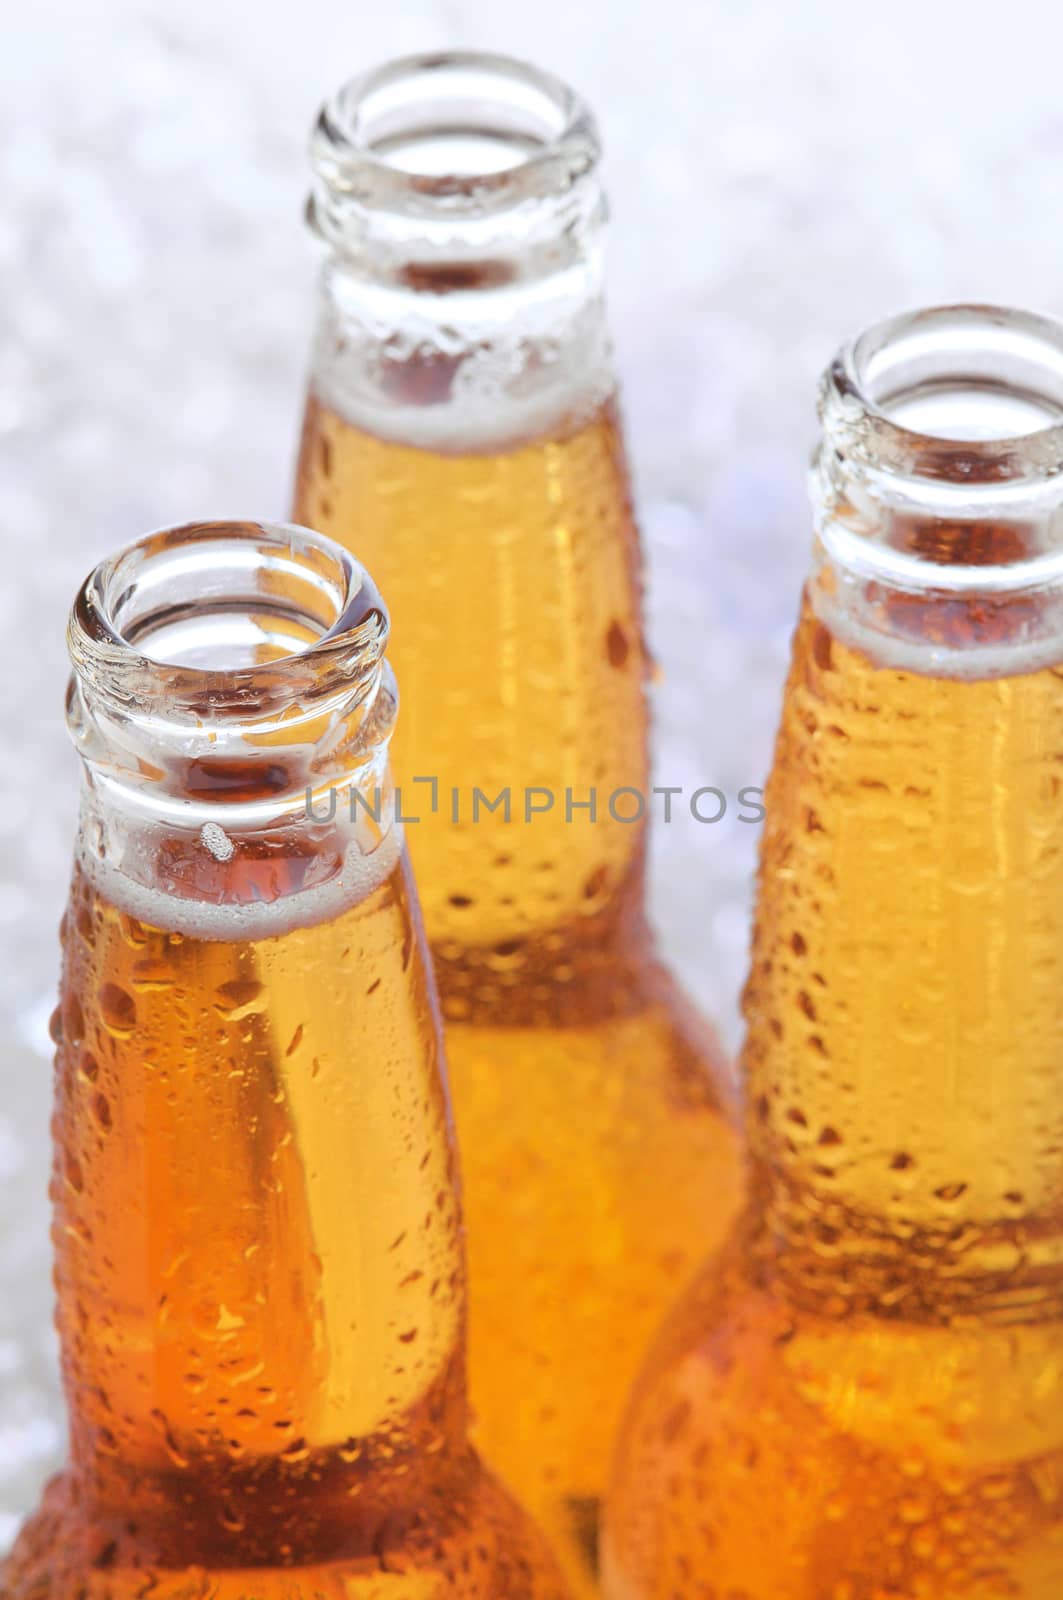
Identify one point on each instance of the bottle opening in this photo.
(229, 686)
(219, 599)
(962, 375)
(459, 126)
(455, 115)
(938, 492)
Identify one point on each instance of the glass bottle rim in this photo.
(996, 350)
(939, 482)
(197, 569)
(549, 127)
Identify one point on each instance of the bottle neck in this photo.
(514, 566)
(904, 1005)
(461, 435)
(458, 199)
(248, 752)
(258, 1233)
(258, 1262)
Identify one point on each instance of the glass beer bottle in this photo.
(863, 1395)
(257, 1224)
(462, 433)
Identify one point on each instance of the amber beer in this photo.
(462, 431)
(257, 1223)
(863, 1397)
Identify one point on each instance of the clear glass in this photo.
(257, 1224)
(864, 1393)
(462, 432)
(943, 446)
(458, 199)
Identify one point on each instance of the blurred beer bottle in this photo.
(462, 433)
(257, 1222)
(863, 1396)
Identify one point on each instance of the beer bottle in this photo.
(257, 1222)
(863, 1396)
(462, 433)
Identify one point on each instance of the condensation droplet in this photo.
(616, 644)
(73, 1021)
(148, 975)
(118, 1011)
(243, 997)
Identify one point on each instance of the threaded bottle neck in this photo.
(940, 477)
(455, 172)
(459, 202)
(229, 680)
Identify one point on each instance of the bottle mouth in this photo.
(938, 492)
(212, 618)
(961, 394)
(452, 134)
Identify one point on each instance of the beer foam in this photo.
(520, 373)
(358, 878)
(484, 422)
(973, 663)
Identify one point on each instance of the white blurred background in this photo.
(782, 172)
